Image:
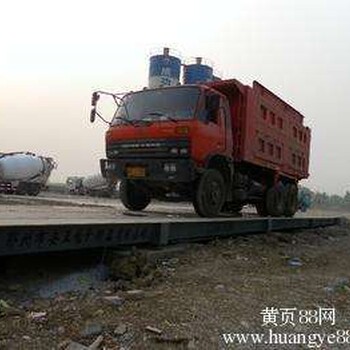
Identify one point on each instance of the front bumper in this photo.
(162, 170)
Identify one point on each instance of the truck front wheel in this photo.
(232, 208)
(133, 195)
(210, 194)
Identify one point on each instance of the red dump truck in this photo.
(220, 145)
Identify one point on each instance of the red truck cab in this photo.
(201, 143)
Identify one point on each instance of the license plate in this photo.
(135, 171)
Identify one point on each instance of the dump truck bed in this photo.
(267, 131)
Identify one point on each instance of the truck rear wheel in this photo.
(134, 196)
(275, 200)
(210, 194)
(261, 208)
(33, 192)
(291, 200)
(33, 189)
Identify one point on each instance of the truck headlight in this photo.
(184, 151)
(174, 150)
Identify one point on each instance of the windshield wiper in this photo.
(160, 114)
(128, 121)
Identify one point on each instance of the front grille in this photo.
(146, 148)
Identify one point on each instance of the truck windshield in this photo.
(158, 105)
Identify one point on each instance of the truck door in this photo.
(211, 137)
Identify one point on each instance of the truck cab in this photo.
(161, 141)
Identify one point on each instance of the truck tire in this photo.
(133, 196)
(20, 192)
(21, 189)
(261, 208)
(33, 192)
(210, 194)
(291, 200)
(33, 189)
(231, 208)
(275, 200)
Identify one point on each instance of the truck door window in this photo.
(212, 104)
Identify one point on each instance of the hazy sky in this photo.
(54, 54)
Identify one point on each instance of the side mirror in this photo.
(92, 115)
(95, 97)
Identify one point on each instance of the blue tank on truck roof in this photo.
(164, 70)
(197, 72)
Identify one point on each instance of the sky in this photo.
(55, 54)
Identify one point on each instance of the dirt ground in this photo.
(183, 301)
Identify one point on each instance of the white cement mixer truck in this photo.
(93, 185)
(24, 172)
(97, 185)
